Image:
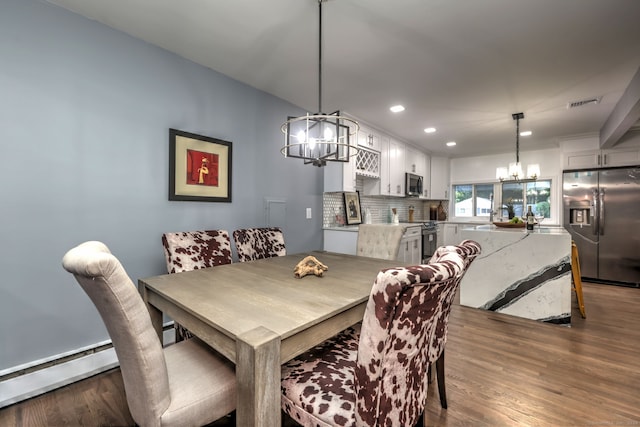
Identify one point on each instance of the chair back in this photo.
(398, 325)
(125, 315)
(379, 241)
(259, 243)
(469, 249)
(191, 250)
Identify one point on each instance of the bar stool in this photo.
(577, 281)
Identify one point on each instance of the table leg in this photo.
(258, 376)
(154, 313)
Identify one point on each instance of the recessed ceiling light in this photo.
(430, 130)
(526, 133)
(397, 108)
(451, 143)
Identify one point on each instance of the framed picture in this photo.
(199, 168)
(352, 207)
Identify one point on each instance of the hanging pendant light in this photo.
(514, 172)
(320, 138)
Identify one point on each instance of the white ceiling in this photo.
(462, 66)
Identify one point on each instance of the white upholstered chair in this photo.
(185, 384)
(379, 240)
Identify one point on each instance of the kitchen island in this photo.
(520, 273)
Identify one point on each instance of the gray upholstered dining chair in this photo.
(469, 249)
(184, 384)
(259, 243)
(379, 240)
(192, 250)
(375, 373)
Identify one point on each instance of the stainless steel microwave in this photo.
(413, 185)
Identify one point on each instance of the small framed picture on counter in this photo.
(352, 209)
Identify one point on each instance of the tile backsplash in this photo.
(379, 207)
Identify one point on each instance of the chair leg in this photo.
(440, 375)
(577, 279)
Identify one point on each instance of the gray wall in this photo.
(84, 118)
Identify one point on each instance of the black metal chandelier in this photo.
(514, 171)
(320, 138)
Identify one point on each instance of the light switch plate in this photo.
(308, 213)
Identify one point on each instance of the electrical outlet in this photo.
(308, 213)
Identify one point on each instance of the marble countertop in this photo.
(355, 227)
(536, 230)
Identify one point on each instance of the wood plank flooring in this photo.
(501, 371)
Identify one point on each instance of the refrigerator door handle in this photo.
(601, 212)
(594, 207)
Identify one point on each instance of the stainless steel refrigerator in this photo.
(602, 213)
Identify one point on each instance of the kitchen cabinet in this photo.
(450, 234)
(601, 158)
(410, 251)
(417, 162)
(439, 181)
(396, 171)
(342, 242)
(340, 176)
(392, 170)
(370, 138)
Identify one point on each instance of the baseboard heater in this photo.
(33, 379)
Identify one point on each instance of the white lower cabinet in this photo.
(346, 242)
(342, 242)
(410, 251)
(450, 234)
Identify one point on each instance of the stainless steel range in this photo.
(429, 240)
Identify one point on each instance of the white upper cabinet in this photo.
(340, 176)
(417, 162)
(392, 169)
(601, 158)
(439, 178)
(396, 168)
(370, 139)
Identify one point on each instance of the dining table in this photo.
(259, 315)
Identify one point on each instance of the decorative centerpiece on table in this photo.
(309, 265)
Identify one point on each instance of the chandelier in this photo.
(320, 138)
(514, 171)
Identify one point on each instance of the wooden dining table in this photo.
(259, 316)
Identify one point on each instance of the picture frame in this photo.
(352, 209)
(199, 168)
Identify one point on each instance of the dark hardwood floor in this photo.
(501, 371)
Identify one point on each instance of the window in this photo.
(476, 200)
(521, 195)
(473, 199)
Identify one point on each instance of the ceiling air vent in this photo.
(576, 104)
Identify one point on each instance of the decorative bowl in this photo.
(510, 224)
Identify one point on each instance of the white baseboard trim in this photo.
(41, 381)
(35, 383)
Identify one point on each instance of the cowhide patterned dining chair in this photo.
(192, 250)
(469, 249)
(258, 243)
(183, 384)
(375, 373)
